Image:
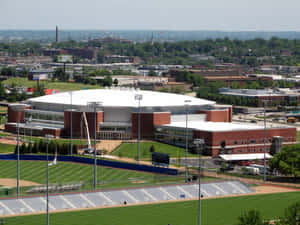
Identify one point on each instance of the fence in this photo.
(100, 162)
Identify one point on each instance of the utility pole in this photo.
(139, 97)
(95, 105)
(186, 102)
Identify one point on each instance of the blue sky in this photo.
(229, 15)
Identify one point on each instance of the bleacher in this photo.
(118, 197)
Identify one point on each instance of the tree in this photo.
(2, 92)
(152, 148)
(60, 74)
(107, 81)
(152, 73)
(116, 82)
(38, 91)
(287, 161)
(291, 215)
(252, 217)
(35, 148)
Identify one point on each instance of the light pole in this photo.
(199, 145)
(18, 108)
(95, 105)
(186, 102)
(139, 97)
(71, 125)
(49, 137)
(265, 135)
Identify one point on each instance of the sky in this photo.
(225, 15)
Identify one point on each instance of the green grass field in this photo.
(130, 150)
(65, 172)
(298, 136)
(221, 211)
(61, 86)
(6, 148)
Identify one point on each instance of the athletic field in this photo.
(66, 172)
(221, 211)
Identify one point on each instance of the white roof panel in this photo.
(215, 126)
(120, 98)
(236, 157)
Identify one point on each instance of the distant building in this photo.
(122, 59)
(88, 53)
(112, 40)
(51, 52)
(274, 96)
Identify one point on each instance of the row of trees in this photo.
(291, 217)
(40, 147)
(244, 52)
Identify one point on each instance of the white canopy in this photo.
(238, 157)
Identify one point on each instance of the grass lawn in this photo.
(130, 150)
(6, 148)
(222, 211)
(65, 172)
(298, 136)
(61, 86)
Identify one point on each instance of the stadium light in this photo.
(139, 97)
(49, 137)
(186, 104)
(95, 105)
(71, 125)
(265, 134)
(200, 143)
(18, 108)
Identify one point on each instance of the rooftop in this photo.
(215, 126)
(120, 98)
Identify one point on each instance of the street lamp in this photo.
(18, 108)
(71, 125)
(49, 137)
(199, 143)
(265, 134)
(95, 105)
(186, 104)
(139, 97)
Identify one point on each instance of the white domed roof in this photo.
(120, 98)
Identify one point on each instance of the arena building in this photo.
(163, 116)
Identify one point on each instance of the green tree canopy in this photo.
(287, 161)
(253, 217)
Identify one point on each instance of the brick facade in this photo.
(77, 120)
(148, 121)
(16, 116)
(246, 141)
(224, 115)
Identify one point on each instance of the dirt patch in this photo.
(9, 141)
(13, 183)
(272, 189)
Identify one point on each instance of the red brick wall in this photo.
(148, 120)
(241, 140)
(76, 121)
(217, 115)
(15, 116)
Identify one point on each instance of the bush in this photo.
(152, 148)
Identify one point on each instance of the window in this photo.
(235, 142)
(252, 141)
(240, 151)
(249, 150)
